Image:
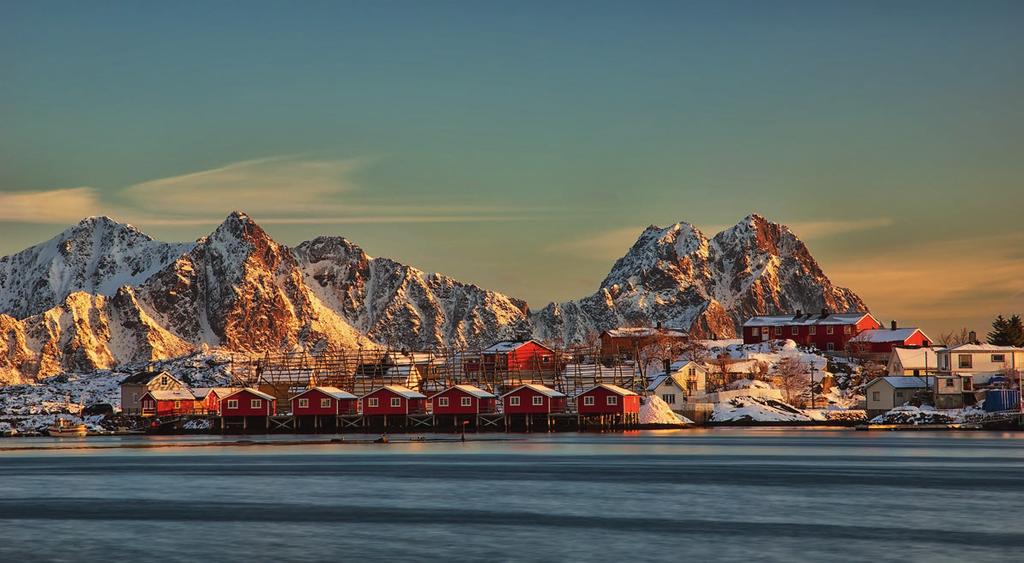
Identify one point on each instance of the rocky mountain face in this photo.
(677, 277)
(103, 294)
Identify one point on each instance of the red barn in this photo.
(248, 402)
(533, 399)
(208, 398)
(827, 332)
(881, 342)
(515, 356)
(607, 399)
(463, 399)
(168, 403)
(324, 401)
(393, 400)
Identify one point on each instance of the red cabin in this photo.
(533, 399)
(321, 401)
(881, 341)
(514, 356)
(248, 402)
(393, 400)
(463, 399)
(208, 398)
(168, 403)
(608, 399)
(827, 332)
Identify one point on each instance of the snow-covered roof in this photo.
(175, 395)
(916, 358)
(807, 319)
(613, 388)
(887, 335)
(401, 391)
(542, 389)
(904, 382)
(471, 390)
(640, 332)
(509, 346)
(984, 348)
(144, 377)
(332, 392)
(256, 392)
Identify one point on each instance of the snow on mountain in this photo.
(677, 277)
(98, 255)
(402, 306)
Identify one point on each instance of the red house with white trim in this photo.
(393, 400)
(828, 332)
(324, 401)
(168, 403)
(248, 402)
(208, 398)
(607, 399)
(533, 399)
(463, 399)
(514, 356)
(882, 341)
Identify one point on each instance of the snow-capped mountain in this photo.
(98, 255)
(103, 294)
(677, 277)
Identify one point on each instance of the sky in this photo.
(523, 146)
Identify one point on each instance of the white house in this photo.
(913, 361)
(980, 361)
(885, 393)
(685, 381)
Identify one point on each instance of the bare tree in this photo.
(659, 349)
(955, 338)
(758, 370)
(695, 350)
(791, 377)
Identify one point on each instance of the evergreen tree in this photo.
(1007, 332)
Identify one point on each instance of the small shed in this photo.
(883, 394)
(248, 402)
(604, 398)
(463, 399)
(393, 400)
(168, 403)
(323, 401)
(532, 398)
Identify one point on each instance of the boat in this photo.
(63, 428)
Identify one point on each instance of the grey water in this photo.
(702, 495)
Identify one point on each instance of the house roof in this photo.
(983, 348)
(256, 392)
(641, 332)
(203, 392)
(175, 395)
(510, 346)
(542, 389)
(613, 388)
(916, 358)
(904, 382)
(332, 392)
(807, 319)
(887, 335)
(144, 377)
(470, 390)
(401, 391)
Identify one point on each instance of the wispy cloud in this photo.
(49, 206)
(599, 246)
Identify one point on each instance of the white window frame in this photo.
(255, 403)
(303, 403)
(588, 400)
(396, 402)
(372, 402)
(778, 331)
(669, 398)
(612, 400)
(537, 401)
(1001, 360)
(513, 401)
(177, 405)
(466, 401)
(232, 404)
(325, 402)
(442, 401)
(830, 347)
(812, 330)
(755, 331)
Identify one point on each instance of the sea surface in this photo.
(695, 495)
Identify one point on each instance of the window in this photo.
(303, 403)
(669, 398)
(545, 359)
(177, 404)
(966, 361)
(899, 394)
(948, 382)
(693, 371)
(373, 402)
(998, 358)
(325, 403)
(754, 331)
(612, 399)
(917, 372)
(831, 346)
(875, 396)
(513, 401)
(466, 401)
(968, 383)
(812, 330)
(163, 380)
(135, 397)
(256, 403)
(396, 402)
(588, 400)
(830, 329)
(442, 401)
(794, 331)
(847, 329)
(538, 400)
(778, 331)
(232, 403)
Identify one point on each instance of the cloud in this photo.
(812, 230)
(604, 245)
(50, 206)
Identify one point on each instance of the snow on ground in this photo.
(656, 411)
(756, 409)
(927, 414)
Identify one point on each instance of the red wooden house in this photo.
(208, 399)
(514, 356)
(463, 399)
(607, 399)
(533, 399)
(324, 401)
(168, 403)
(248, 402)
(826, 331)
(393, 400)
(881, 341)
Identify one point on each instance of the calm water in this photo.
(723, 494)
